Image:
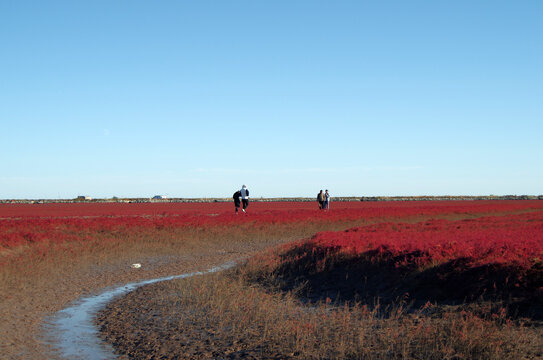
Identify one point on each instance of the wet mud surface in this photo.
(73, 330)
(25, 330)
(148, 323)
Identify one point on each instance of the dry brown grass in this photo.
(246, 319)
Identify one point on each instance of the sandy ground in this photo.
(24, 306)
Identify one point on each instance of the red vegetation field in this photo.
(512, 239)
(258, 208)
(492, 257)
(26, 224)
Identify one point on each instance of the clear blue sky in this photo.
(196, 98)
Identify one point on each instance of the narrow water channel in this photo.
(71, 331)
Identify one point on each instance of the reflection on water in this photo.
(72, 332)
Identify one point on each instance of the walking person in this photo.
(326, 200)
(237, 202)
(244, 197)
(320, 199)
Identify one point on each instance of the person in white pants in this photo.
(326, 200)
(244, 197)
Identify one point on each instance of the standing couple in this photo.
(324, 200)
(244, 195)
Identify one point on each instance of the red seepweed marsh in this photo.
(309, 291)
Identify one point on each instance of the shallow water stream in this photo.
(72, 332)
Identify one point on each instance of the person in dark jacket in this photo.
(320, 200)
(237, 202)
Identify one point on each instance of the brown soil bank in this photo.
(222, 316)
(347, 279)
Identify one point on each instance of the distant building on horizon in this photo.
(83, 197)
(159, 197)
